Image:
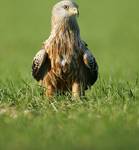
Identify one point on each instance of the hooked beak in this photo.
(74, 11)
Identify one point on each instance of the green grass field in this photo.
(108, 119)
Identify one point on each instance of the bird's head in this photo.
(65, 9)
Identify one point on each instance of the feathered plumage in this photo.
(65, 63)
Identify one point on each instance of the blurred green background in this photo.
(109, 119)
(111, 29)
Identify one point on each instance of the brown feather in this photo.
(68, 69)
(68, 45)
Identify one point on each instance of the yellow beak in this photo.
(74, 11)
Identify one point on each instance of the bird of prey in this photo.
(65, 63)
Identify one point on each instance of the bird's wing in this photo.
(91, 66)
(40, 65)
(90, 61)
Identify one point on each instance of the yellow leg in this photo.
(76, 91)
(50, 91)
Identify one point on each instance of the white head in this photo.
(64, 9)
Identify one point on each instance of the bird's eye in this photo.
(66, 7)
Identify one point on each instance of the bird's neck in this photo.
(64, 25)
(64, 32)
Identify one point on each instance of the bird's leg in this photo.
(76, 91)
(50, 91)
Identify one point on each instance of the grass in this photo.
(108, 118)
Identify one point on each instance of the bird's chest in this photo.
(65, 62)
